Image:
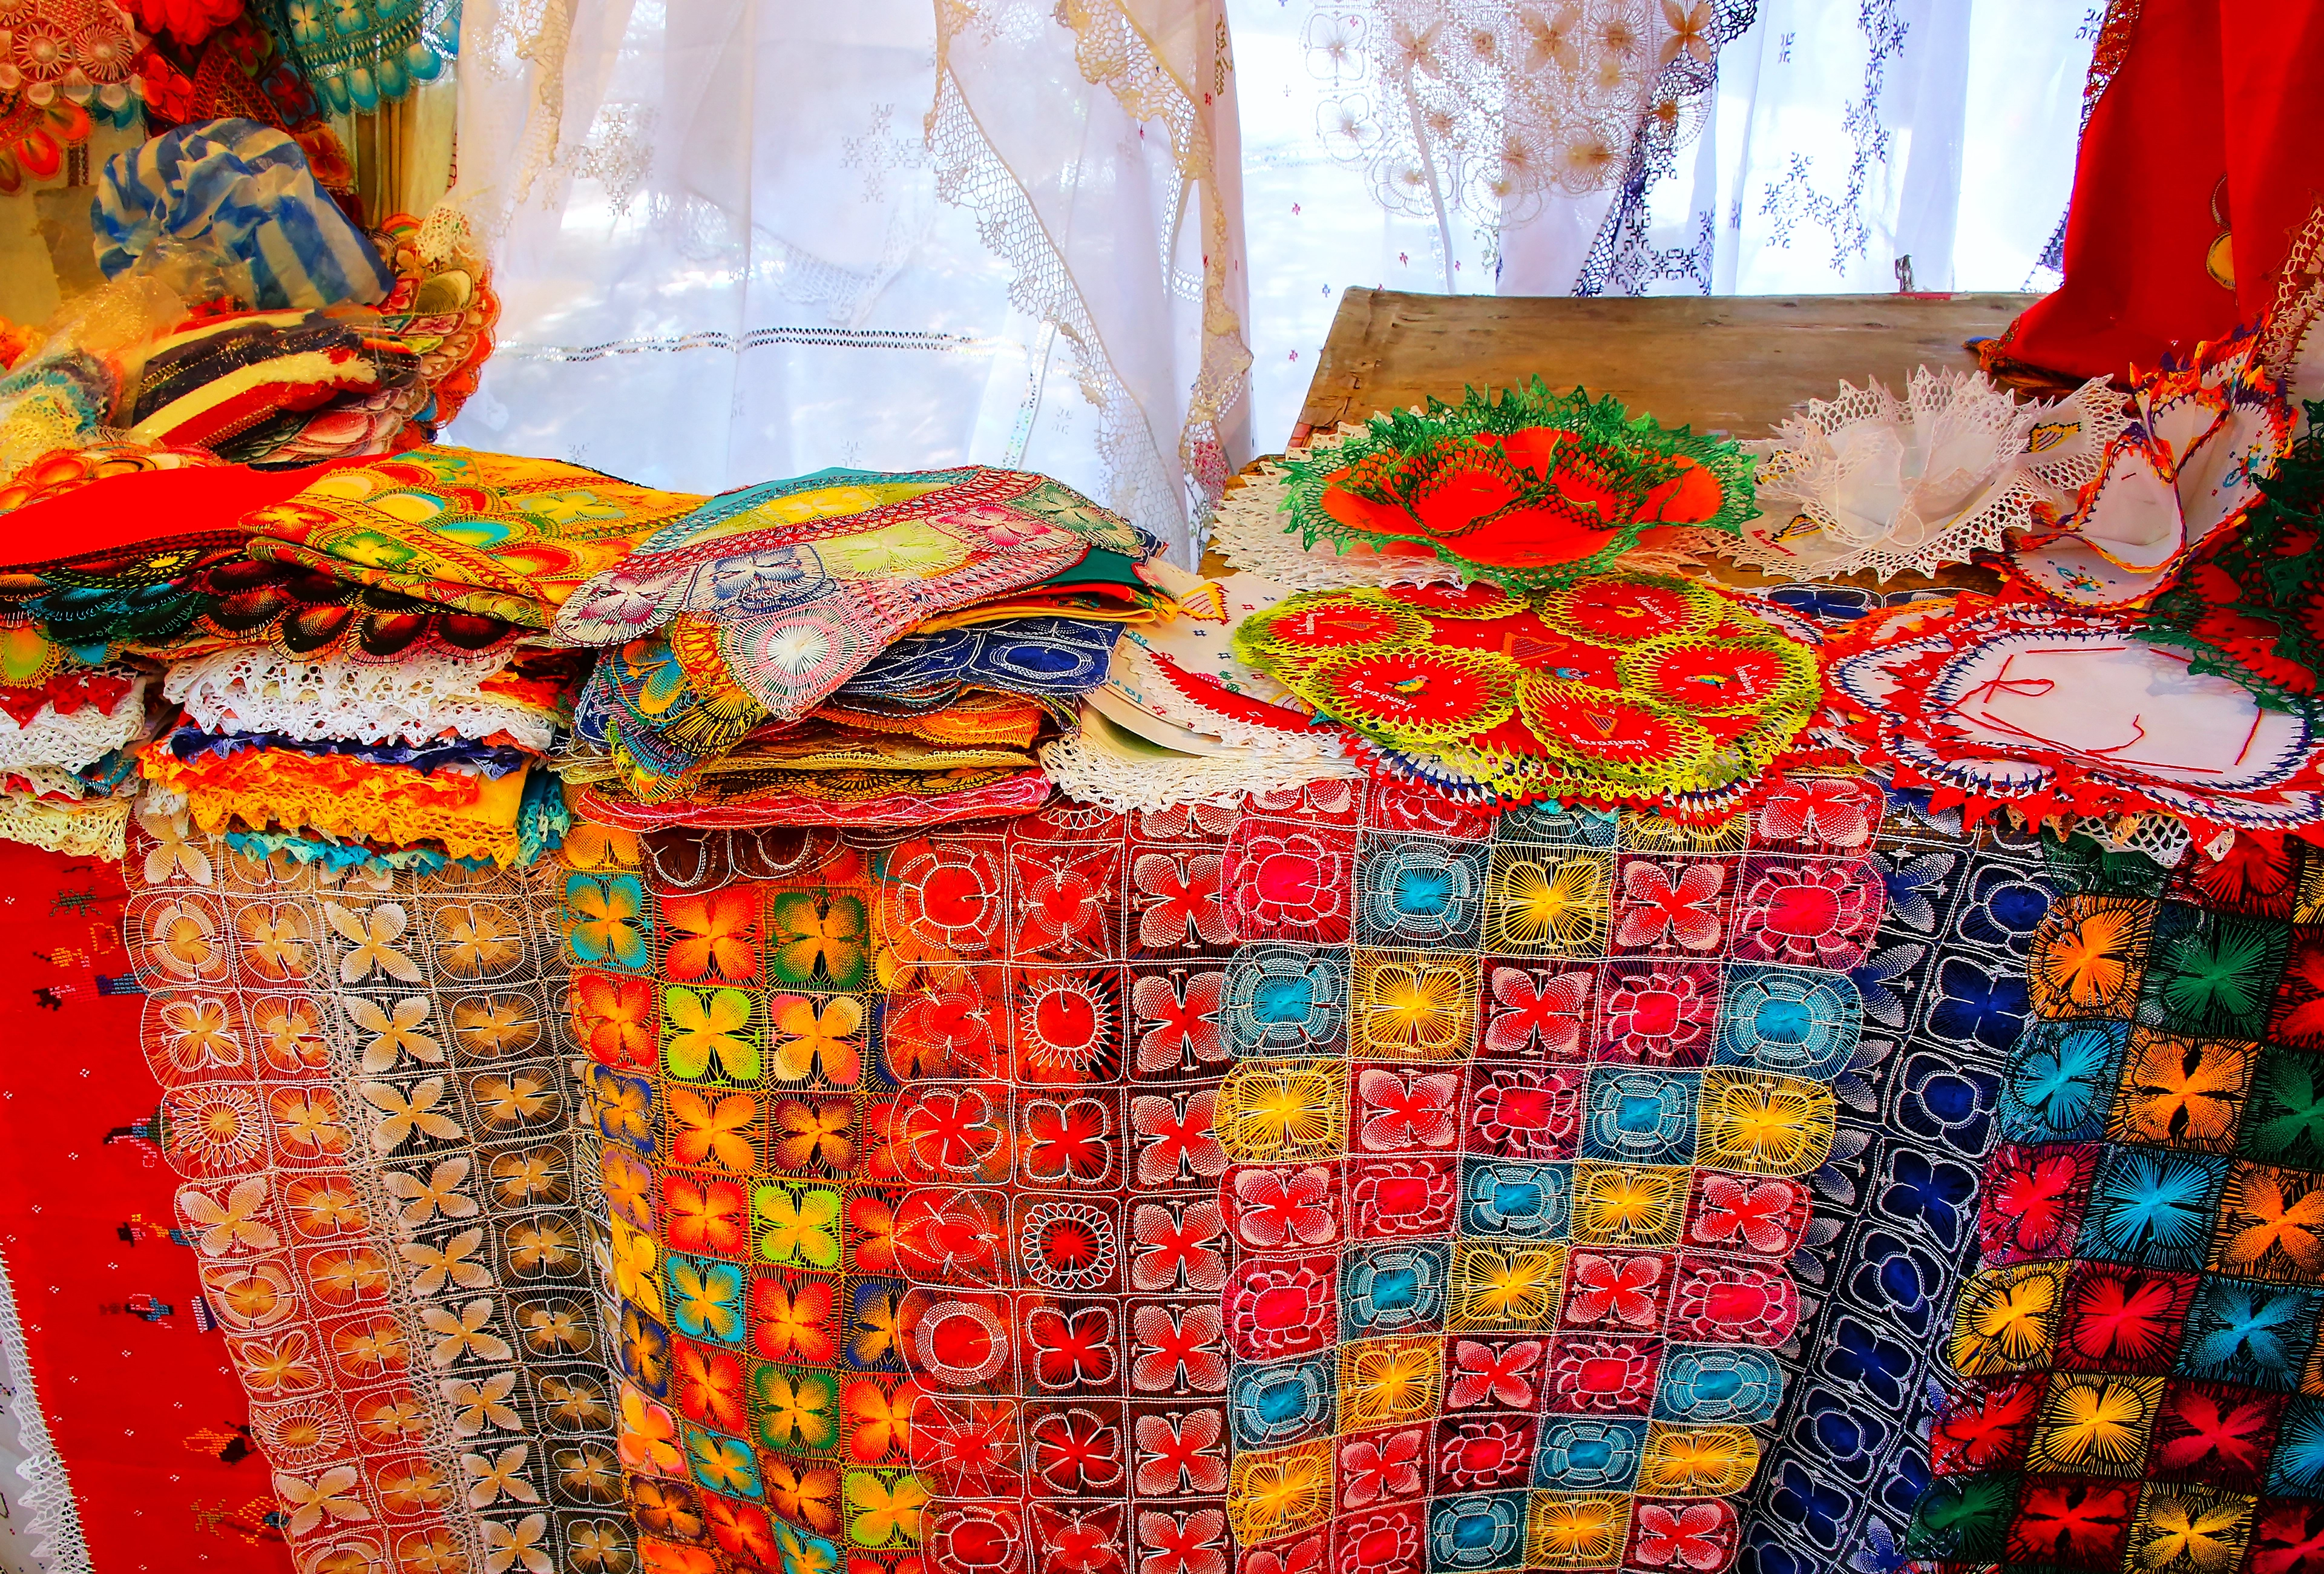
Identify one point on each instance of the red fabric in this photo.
(2218, 98)
(195, 505)
(146, 1413)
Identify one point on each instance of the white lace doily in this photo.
(2188, 465)
(260, 690)
(67, 743)
(1106, 764)
(1871, 481)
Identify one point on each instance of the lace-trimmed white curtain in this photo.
(737, 239)
(1834, 140)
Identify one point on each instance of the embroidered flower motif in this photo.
(1674, 905)
(1279, 1209)
(1535, 1013)
(1815, 913)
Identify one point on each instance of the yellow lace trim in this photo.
(471, 816)
(80, 831)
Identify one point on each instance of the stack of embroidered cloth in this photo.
(349, 656)
(872, 648)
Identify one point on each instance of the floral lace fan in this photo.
(1907, 485)
(1527, 488)
(2187, 465)
(1618, 688)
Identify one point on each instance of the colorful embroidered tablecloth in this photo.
(364, 1090)
(136, 1436)
(2144, 1384)
(1342, 1179)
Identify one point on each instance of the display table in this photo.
(1733, 364)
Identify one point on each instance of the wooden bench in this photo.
(1729, 363)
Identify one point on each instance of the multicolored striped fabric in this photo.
(248, 188)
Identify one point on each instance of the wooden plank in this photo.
(1733, 364)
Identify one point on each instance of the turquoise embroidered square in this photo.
(2061, 1082)
(1585, 1453)
(1483, 1531)
(1287, 999)
(1420, 892)
(2241, 1330)
(1710, 1385)
(1511, 1197)
(1396, 1289)
(1634, 1116)
(1281, 1402)
(2152, 1208)
(1788, 1020)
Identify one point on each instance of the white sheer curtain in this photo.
(1841, 137)
(745, 239)
(737, 239)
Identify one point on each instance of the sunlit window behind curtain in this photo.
(1842, 137)
(740, 239)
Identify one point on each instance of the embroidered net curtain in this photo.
(739, 238)
(745, 238)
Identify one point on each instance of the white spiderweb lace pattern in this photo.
(260, 690)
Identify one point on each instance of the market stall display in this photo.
(1604, 998)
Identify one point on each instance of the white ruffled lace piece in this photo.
(1250, 531)
(1871, 481)
(70, 742)
(1105, 764)
(261, 690)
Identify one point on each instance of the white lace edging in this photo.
(58, 1545)
(2162, 838)
(252, 689)
(1091, 766)
(72, 741)
(1251, 532)
(1907, 485)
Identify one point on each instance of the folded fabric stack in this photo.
(355, 653)
(67, 769)
(247, 317)
(879, 648)
(1181, 718)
